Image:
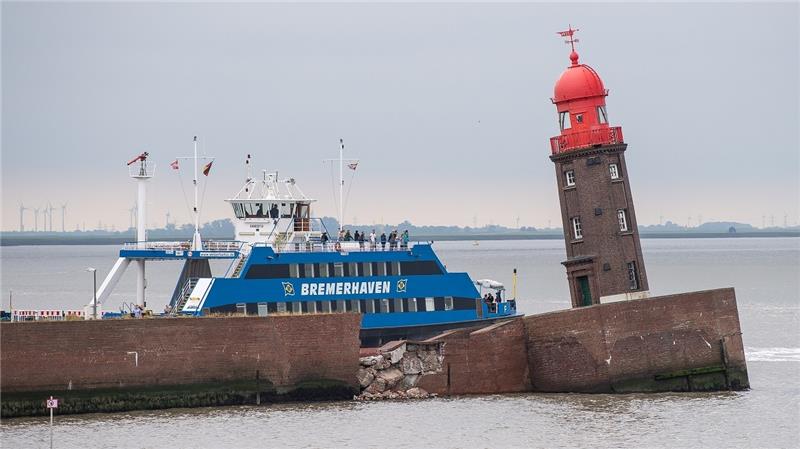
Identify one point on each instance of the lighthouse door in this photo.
(584, 292)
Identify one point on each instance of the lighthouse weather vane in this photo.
(568, 34)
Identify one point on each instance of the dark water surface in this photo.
(765, 273)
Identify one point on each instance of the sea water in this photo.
(764, 271)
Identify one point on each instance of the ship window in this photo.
(365, 269)
(312, 307)
(241, 308)
(569, 178)
(238, 210)
(340, 305)
(463, 304)
(272, 307)
(633, 276)
(429, 305)
(438, 303)
(326, 306)
(281, 307)
(338, 269)
(297, 307)
(381, 268)
(613, 170)
(448, 303)
(563, 121)
(622, 219)
(602, 117)
(420, 267)
(370, 306)
(393, 268)
(412, 304)
(577, 230)
(362, 305)
(267, 271)
(308, 271)
(373, 268)
(353, 269)
(384, 306)
(294, 271)
(322, 270)
(398, 305)
(262, 309)
(355, 306)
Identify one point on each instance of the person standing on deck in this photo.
(372, 240)
(383, 241)
(404, 238)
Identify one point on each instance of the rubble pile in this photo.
(395, 372)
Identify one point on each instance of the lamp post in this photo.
(94, 290)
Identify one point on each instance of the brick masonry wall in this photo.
(622, 346)
(485, 361)
(95, 354)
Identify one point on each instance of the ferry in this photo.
(285, 261)
(289, 263)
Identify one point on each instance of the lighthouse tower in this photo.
(604, 255)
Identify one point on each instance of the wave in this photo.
(772, 354)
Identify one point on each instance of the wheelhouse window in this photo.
(577, 230)
(564, 121)
(622, 218)
(633, 276)
(602, 117)
(569, 178)
(613, 170)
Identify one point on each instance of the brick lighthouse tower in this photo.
(604, 255)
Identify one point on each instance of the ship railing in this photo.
(208, 245)
(316, 246)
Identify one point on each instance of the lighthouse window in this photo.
(577, 230)
(614, 171)
(602, 118)
(622, 219)
(569, 176)
(578, 118)
(633, 277)
(563, 121)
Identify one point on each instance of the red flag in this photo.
(352, 166)
(207, 168)
(174, 165)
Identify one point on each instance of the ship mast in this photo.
(341, 184)
(197, 243)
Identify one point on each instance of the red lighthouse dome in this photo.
(580, 98)
(578, 81)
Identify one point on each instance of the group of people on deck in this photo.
(492, 301)
(393, 239)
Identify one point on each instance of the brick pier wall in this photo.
(285, 350)
(484, 361)
(623, 346)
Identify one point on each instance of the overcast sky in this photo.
(447, 106)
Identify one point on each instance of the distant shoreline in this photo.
(55, 239)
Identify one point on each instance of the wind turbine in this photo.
(22, 210)
(35, 219)
(50, 206)
(63, 214)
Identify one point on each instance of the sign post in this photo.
(51, 404)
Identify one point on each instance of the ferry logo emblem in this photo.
(401, 285)
(288, 289)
